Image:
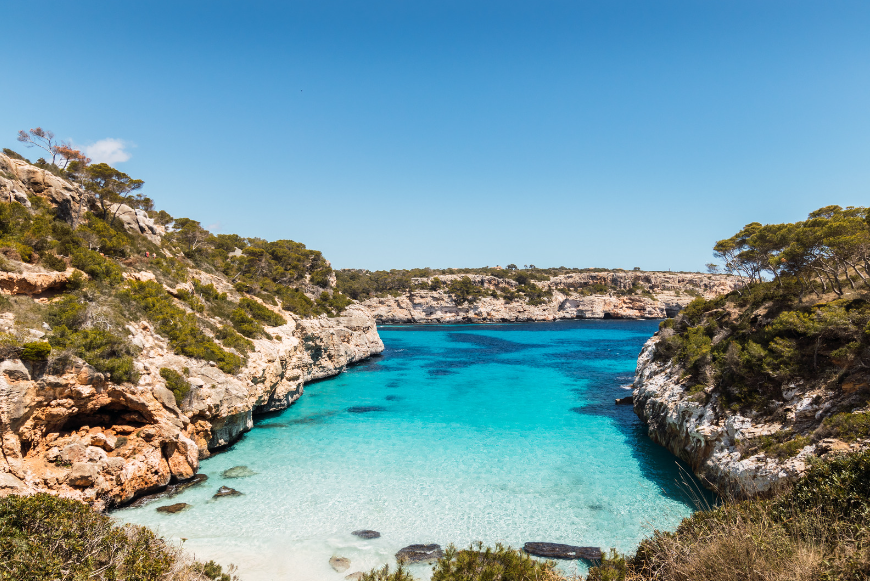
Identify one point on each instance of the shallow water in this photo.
(496, 433)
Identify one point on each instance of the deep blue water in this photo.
(497, 433)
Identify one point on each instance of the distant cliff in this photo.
(599, 295)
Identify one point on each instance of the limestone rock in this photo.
(666, 294)
(559, 551)
(226, 491)
(339, 564)
(366, 534)
(33, 283)
(83, 474)
(174, 508)
(419, 554)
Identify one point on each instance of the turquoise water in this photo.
(455, 434)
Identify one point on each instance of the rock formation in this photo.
(664, 294)
(710, 437)
(80, 436)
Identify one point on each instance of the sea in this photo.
(501, 433)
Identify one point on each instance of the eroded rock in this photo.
(419, 554)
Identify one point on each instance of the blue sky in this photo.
(461, 133)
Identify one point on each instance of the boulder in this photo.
(83, 474)
(9, 481)
(226, 491)
(173, 508)
(339, 564)
(419, 554)
(366, 534)
(558, 551)
(628, 400)
(354, 576)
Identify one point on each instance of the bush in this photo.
(487, 564)
(262, 313)
(245, 324)
(613, 567)
(176, 383)
(101, 349)
(52, 261)
(295, 301)
(96, 266)
(846, 426)
(35, 351)
(181, 328)
(384, 574)
(233, 340)
(464, 291)
(45, 537)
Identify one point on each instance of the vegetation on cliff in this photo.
(45, 537)
(98, 231)
(803, 320)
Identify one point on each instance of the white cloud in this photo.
(108, 150)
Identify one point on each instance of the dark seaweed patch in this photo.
(393, 398)
(364, 409)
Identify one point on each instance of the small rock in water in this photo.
(628, 400)
(557, 551)
(362, 409)
(340, 564)
(393, 398)
(238, 472)
(354, 576)
(173, 508)
(226, 491)
(419, 554)
(366, 534)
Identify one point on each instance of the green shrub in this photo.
(52, 261)
(176, 383)
(100, 348)
(96, 266)
(233, 340)
(261, 313)
(613, 567)
(68, 311)
(295, 301)
(45, 537)
(14, 154)
(489, 564)
(35, 351)
(384, 574)
(847, 426)
(332, 305)
(245, 324)
(181, 328)
(464, 291)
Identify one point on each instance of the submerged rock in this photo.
(170, 491)
(238, 472)
(366, 534)
(226, 491)
(354, 576)
(340, 564)
(557, 551)
(173, 508)
(419, 554)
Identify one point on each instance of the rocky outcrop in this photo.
(33, 283)
(136, 222)
(696, 427)
(81, 436)
(656, 295)
(18, 178)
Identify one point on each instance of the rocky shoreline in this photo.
(697, 428)
(80, 436)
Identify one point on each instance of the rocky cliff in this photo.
(721, 441)
(629, 295)
(68, 428)
(79, 435)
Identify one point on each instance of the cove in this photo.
(494, 433)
